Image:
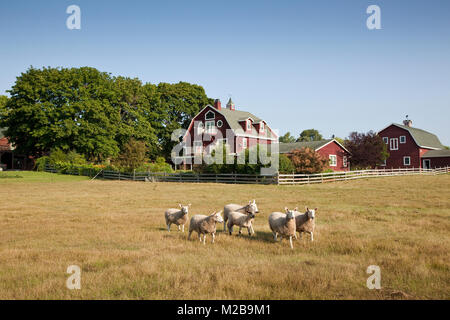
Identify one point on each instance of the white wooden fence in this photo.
(351, 175)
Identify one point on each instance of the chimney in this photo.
(217, 104)
(407, 122)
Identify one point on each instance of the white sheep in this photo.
(305, 222)
(251, 207)
(242, 220)
(283, 224)
(205, 224)
(177, 216)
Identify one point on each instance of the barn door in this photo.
(426, 164)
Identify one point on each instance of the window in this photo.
(344, 161)
(333, 160)
(249, 125)
(386, 140)
(402, 139)
(383, 163)
(210, 126)
(261, 127)
(198, 146)
(244, 143)
(407, 161)
(210, 115)
(219, 124)
(393, 144)
(200, 128)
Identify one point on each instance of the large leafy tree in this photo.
(62, 108)
(179, 103)
(310, 135)
(3, 101)
(286, 138)
(367, 149)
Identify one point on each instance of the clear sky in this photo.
(297, 64)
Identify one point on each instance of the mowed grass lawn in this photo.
(115, 232)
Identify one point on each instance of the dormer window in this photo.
(249, 125)
(210, 115)
(261, 127)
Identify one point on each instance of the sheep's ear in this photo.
(254, 201)
(315, 209)
(286, 209)
(180, 205)
(306, 208)
(296, 209)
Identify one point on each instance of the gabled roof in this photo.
(423, 139)
(234, 116)
(316, 145)
(437, 154)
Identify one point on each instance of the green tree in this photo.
(310, 135)
(179, 103)
(367, 149)
(62, 108)
(3, 102)
(286, 165)
(287, 138)
(132, 156)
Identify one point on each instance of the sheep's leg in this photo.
(230, 229)
(189, 236)
(179, 227)
(312, 237)
(224, 224)
(168, 227)
(240, 230)
(249, 229)
(295, 235)
(182, 228)
(300, 234)
(204, 238)
(290, 241)
(274, 236)
(213, 237)
(251, 226)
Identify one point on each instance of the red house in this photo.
(239, 130)
(328, 149)
(410, 147)
(9, 159)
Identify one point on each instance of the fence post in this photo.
(134, 174)
(119, 175)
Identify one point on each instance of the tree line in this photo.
(94, 113)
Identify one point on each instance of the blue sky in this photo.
(297, 64)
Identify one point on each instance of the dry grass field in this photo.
(115, 232)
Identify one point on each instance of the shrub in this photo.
(286, 165)
(132, 156)
(307, 160)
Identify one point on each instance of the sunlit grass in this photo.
(115, 232)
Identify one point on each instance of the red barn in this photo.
(9, 159)
(410, 147)
(329, 149)
(240, 130)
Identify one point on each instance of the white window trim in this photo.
(404, 141)
(221, 123)
(383, 164)
(404, 162)
(386, 140)
(261, 127)
(248, 125)
(244, 143)
(344, 161)
(210, 129)
(392, 143)
(333, 156)
(214, 115)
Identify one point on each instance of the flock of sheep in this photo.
(282, 224)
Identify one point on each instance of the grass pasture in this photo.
(115, 232)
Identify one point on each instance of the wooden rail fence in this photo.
(281, 179)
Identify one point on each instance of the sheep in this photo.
(177, 216)
(204, 224)
(305, 222)
(251, 207)
(242, 220)
(283, 224)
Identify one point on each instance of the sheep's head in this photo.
(252, 207)
(311, 213)
(185, 209)
(217, 217)
(290, 214)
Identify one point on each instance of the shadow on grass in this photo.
(262, 236)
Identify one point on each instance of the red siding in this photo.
(410, 148)
(335, 149)
(438, 162)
